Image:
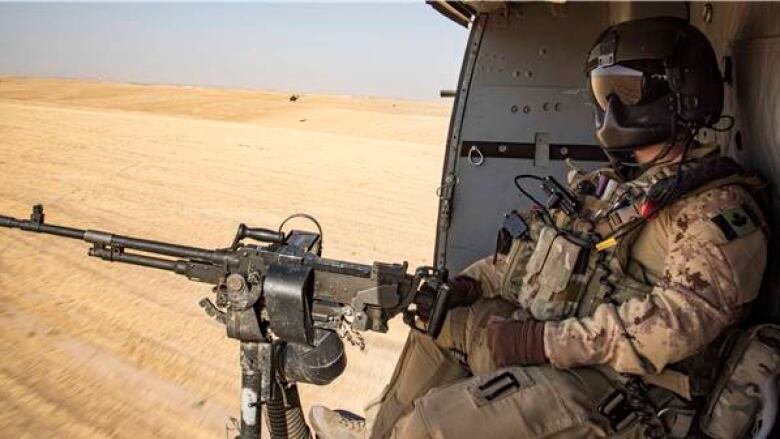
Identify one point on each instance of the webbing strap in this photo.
(671, 380)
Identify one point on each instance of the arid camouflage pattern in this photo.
(676, 283)
(705, 281)
(747, 385)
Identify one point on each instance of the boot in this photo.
(336, 424)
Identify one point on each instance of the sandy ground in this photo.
(92, 349)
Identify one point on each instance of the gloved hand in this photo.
(465, 291)
(516, 342)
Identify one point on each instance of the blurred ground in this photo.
(92, 349)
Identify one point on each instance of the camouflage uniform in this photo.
(660, 293)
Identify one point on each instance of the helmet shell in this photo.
(691, 68)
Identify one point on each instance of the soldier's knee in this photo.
(453, 332)
(506, 403)
(411, 426)
(425, 364)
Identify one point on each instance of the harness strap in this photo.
(671, 380)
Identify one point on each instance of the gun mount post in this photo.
(251, 385)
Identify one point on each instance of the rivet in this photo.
(526, 109)
(529, 73)
(558, 106)
(502, 148)
(513, 109)
(546, 106)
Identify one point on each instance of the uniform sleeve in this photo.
(489, 275)
(713, 268)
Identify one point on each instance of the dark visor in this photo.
(631, 86)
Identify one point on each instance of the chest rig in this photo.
(571, 260)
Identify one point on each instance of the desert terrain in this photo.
(93, 349)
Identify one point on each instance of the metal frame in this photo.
(448, 180)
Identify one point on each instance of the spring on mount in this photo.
(285, 415)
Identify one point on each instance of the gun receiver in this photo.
(284, 302)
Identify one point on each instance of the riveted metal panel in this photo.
(517, 113)
(526, 90)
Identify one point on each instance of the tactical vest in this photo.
(567, 265)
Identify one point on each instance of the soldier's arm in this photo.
(714, 266)
(489, 273)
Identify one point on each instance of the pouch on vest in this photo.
(520, 253)
(550, 287)
(744, 400)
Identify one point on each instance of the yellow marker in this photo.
(605, 244)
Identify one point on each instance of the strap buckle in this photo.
(497, 387)
(616, 409)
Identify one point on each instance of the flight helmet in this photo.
(652, 80)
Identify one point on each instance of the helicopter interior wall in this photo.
(526, 97)
(748, 34)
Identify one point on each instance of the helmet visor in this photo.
(631, 86)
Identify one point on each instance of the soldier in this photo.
(600, 318)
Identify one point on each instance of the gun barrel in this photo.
(119, 241)
(34, 226)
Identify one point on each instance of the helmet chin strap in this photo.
(626, 164)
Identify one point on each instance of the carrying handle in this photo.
(258, 234)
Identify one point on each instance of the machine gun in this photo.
(283, 302)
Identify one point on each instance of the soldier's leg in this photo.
(530, 402)
(426, 363)
(423, 365)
